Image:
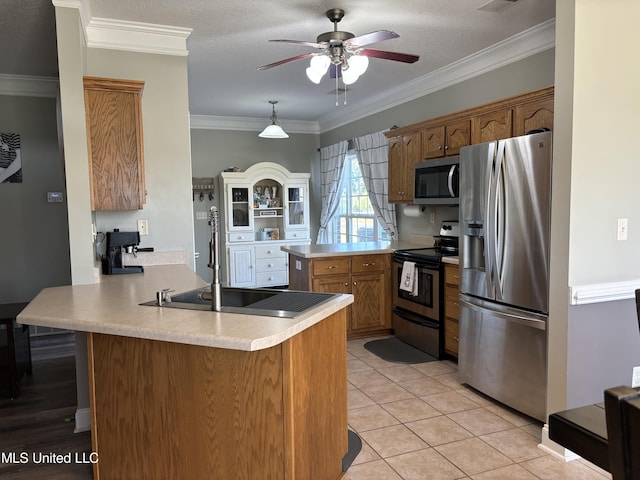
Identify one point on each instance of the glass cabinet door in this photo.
(296, 215)
(239, 207)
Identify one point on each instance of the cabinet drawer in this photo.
(452, 274)
(271, 278)
(330, 266)
(269, 264)
(451, 307)
(269, 251)
(296, 234)
(367, 263)
(247, 236)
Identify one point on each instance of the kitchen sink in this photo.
(248, 301)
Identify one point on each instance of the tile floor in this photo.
(417, 422)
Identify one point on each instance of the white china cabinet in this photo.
(265, 207)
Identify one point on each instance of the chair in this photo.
(622, 409)
(638, 305)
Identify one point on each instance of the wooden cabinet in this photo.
(444, 140)
(114, 137)
(365, 276)
(533, 115)
(404, 152)
(492, 126)
(451, 308)
(445, 135)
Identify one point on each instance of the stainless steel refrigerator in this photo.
(505, 215)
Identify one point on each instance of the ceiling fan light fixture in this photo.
(359, 63)
(274, 130)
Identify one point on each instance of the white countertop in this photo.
(337, 249)
(112, 307)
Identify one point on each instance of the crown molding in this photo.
(28, 86)
(210, 122)
(529, 42)
(137, 37)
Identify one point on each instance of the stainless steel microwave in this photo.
(437, 182)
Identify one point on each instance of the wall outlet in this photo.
(432, 217)
(635, 379)
(94, 232)
(623, 225)
(143, 227)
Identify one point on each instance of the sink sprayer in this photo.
(214, 259)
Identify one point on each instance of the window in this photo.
(354, 221)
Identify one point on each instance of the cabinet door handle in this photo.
(269, 252)
(355, 283)
(269, 265)
(439, 147)
(346, 284)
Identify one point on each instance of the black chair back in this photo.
(638, 305)
(622, 409)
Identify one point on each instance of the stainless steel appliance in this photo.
(437, 182)
(418, 319)
(505, 210)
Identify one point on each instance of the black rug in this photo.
(355, 445)
(394, 350)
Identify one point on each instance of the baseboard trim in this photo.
(83, 420)
(554, 449)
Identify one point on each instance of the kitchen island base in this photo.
(173, 410)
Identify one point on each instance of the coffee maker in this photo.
(117, 243)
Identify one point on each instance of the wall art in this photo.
(10, 159)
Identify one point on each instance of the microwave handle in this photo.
(450, 180)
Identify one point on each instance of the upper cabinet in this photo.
(446, 135)
(115, 145)
(404, 152)
(492, 126)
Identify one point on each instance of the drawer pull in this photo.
(270, 252)
(331, 267)
(456, 339)
(456, 304)
(372, 264)
(269, 265)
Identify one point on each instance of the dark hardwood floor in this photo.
(41, 420)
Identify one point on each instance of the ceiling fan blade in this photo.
(398, 57)
(372, 37)
(301, 42)
(287, 60)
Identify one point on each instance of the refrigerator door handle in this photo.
(500, 219)
(452, 170)
(507, 314)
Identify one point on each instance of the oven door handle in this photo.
(417, 319)
(424, 266)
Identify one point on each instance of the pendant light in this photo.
(274, 130)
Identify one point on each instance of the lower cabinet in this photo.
(451, 308)
(366, 277)
(257, 264)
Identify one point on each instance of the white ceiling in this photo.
(229, 40)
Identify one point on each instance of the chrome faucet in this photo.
(214, 259)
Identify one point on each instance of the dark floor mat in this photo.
(394, 350)
(355, 445)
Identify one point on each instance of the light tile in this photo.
(480, 421)
(378, 470)
(516, 444)
(473, 456)
(401, 373)
(367, 378)
(423, 465)
(477, 397)
(367, 454)
(439, 430)
(394, 440)
(368, 418)
(387, 393)
(423, 386)
(450, 380)
(434, 368)
(357, 365)
(410, 410)
(510, 472)
(357, 399)
(450, 402)
(511, 416)
(550, 468)
(535, 430)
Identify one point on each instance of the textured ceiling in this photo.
(230, 40)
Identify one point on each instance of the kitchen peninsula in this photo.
(201, 394)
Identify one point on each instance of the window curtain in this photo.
(331, 166)
(372, 153)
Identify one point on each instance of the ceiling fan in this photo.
(343, 51)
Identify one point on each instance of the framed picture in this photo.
(272, 233)
(10, 160)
